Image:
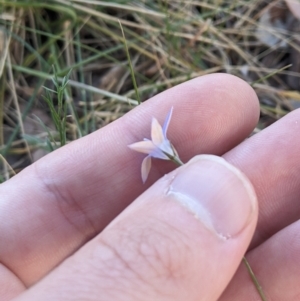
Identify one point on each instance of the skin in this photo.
(65, 234)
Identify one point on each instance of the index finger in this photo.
(54, 206)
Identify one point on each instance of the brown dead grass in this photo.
(169, 42)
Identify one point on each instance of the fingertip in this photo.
(235, 89)
(197, 221)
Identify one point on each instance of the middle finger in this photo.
(271, 160)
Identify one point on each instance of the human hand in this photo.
(64, 234)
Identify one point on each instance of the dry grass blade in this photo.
(169, 42)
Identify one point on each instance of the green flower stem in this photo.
(177, 161)
(259, 289)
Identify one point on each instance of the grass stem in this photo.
(254, 279)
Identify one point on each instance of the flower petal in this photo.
(157, 135)
(167, 122)
(167, 148)
(146, 165)
(145, 147)
(158, 153)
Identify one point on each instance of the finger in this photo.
(53, 207)
(275, 264)
(271, 160)
(10, 285)
(181, 240)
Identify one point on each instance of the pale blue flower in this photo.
(158, 147)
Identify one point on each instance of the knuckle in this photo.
(148, 256)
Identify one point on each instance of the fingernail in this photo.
(217, 194)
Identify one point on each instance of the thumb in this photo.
(183, 239)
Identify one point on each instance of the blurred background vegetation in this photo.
(169, 42)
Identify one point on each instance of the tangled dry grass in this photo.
(169, 42)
